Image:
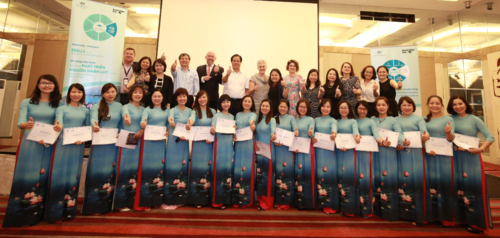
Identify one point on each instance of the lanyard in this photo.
(126, 72)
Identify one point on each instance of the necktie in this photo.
(208, 70)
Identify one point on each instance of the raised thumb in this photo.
(449, 123)
(95, 123)
(57, 122)
(212, 125)
(31, 119)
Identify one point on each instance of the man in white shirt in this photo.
(236, 84)
(128, 65)
(186, 78)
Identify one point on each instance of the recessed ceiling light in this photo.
(146, 10)
(465, 25)
(418, 42)
(355, 18)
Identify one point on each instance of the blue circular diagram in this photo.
(397, 70)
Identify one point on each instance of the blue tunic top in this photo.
(304, 124)
(115, 115)
(325, 125)
(287, 122)
(221, 115)
(44, 112)
(390, 123)
(470, 125)
(204, 121)
(69, 116)
(179, 116)
(264, 131)
(135, 115)
(347, 126)
(367, 127)
(156, 116)
(412, 123)
(435, 127)
(243, 119)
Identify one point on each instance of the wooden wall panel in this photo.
(48, 58)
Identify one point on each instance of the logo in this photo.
(82, 5)
(379, 52)
(118, 11)
(408, 51)
(397, 70)
(496, 80)
(99, 27)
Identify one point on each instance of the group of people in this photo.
(400, 183)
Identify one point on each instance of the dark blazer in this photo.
(212, 85)
(167, 89)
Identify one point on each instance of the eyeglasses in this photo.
(47, 83)
(303, 107)
(362, 109)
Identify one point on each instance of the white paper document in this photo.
(324, 141)
(367, 143)
(43, 131)
(244, 134)
(126, 140)
(74, 134)
(202, 133)
(155, 132)
(439, 145)
(284, 137)
(466, 142)
(345, 141)
(225, 126)
(264, 149)
(414, 137)
(302, 144)
(393, 136)
(180, 131)
(105, 136)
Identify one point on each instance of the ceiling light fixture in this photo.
(145, 10)
(333, 20)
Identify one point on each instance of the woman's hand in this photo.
(78, 142)
(357, 138)
(171, 122)
(343, 149)
(58, 127)
(400, 147)
(296, 132)
(257, 148)
(235, 127)
(183, 138)
(252, 125)
(235, 139)
(425, 137)
(166, 134)
(188, 125)
(273, 136)
(333, 135)
(278, 144)
(386, 142)
(96, 127)
(144, 123)
(310, 132)
(406, 142)
(460, 148)
(138, 134)
(475, 151)
(208, 142)
(127, 120)
(447, 128)
(432, 153)
(296, 151)
(29, 124)
(314, 140)
(40, 142)
(212, 129)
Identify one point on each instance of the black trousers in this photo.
(189, 102)
(124, 98)
(235, 106)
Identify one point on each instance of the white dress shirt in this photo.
(367, 91)
(236, 85)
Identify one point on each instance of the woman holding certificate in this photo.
(305, 196)
(101, 168)
(440, 167)
(129, 159)
(284, 159)
(469, 186)
(223, 157)
(67, 159)
(346, 161)
(412, 179)
(201, 167)
(26, 203)
(326, 162)
(176, 167)
(385, 164)
(149, 188)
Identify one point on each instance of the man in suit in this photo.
(210, 76)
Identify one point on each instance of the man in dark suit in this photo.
(210, 76)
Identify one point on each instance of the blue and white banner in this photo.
(402, 62)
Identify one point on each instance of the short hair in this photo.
(237, 55)
(132, 90)
(382, 98)
(292, 61)
(323, 102)
(79, 87)
(408, 100)
(428, 117)
(374, 76)
(138, 67)
(352, 69)
(261, 62)
(270, 82)
(308, 113)
(364, 104)
(223, 98)
(308, 81)
(449, 108)
(129, 48)
(252, 109)
(162, 62)
(350, 114)
(184, 54)
(179, 92)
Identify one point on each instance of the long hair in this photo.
(450, 110)
(382, 98)
(269, 115)
(308, 81)
(163, 102)
(271, 82)
(55, 95)
(138, 67)
(337, 82)
(428, 117)
(197, 105)
(252, 108)
(350, 115)
(287, 103)
(79, 87)
(103, 111)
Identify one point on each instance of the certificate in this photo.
(105, 136)
(225, 126)
(264, 149)
(393, 136)
(439, 145)
(126, 140)
(43, 131)
(74, 134)
(155, 132)
(302, 144)
(284, 137)
(414, 137)
(244, 134)
(345, 141)
(324, 141)
(466, 142)
(202, 133)
(180, 131)
(367, 143)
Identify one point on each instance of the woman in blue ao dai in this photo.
(471, 202)
(200, 172)
(244, 159)
(68, 159)
(284, 159)
(175, 193)
(385, 165)
(26, 203)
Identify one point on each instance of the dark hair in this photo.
(277, 118)
(138, 67)
(270, 81)
(269, 115)
(103, 111)
(179, 92)
(252, 109)
(184, 54)
(55, 95)
(428, 117)
(223, 98)
(197, 105)
(129, 48)
(374, 76)
(352, 69)
(350, 115)
(408, 100)
(337, 82)
(293, 61)
(450, 110)
(322, 103)
(79, 87)
(381, 98)
(366, 105)
(237, 55)
(382, 66)
(162, 62)
(163, 102)
(132, 90)
(308, 113)
(308, 82)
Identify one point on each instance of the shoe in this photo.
(125, 209)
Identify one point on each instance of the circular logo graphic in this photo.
(397, 70)
(99, 27)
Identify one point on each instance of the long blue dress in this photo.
(385, 170)
(326, 169)
(101, 168)
(440, 191)
(471, 203)
(412, 176)
(223, 164)
(266, 173)
(284, 164)
(305, 166)
(149, 191)
(346, 170)
(66, 167)
(27, 198)
(244, 181)
(200, 173)
(364, 160)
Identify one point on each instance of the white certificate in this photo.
(43, 131)
(155, 132)
(74, 134)
(126, 140)
(439, 145)
(180, 131)
(264, 149)
(466, 142)
(244, 134)
(225, 126)
(345, 141)
(202, 133)
(302, 144)
(414, 137)
(324, 141)
(367, 143)
(284, 137)
(105, 136)
(393, 136)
